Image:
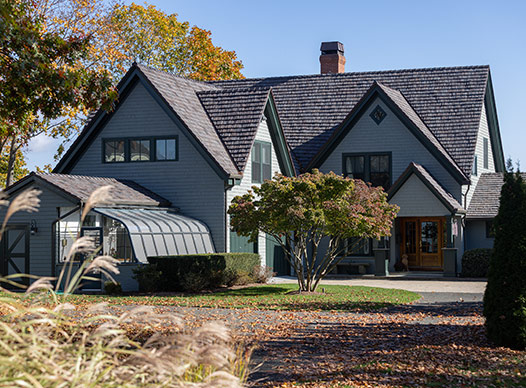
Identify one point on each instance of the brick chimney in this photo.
(332, 59)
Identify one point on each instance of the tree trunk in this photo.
(11, 162)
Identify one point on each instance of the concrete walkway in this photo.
(461, 286)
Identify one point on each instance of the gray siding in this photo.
(416, 200)
(479, 151)
(262, 134)
(390, 136)
(476, 235)
(189, 183)
(40, 244)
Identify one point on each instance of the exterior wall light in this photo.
(33, 227)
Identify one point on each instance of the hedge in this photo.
(475, 263)
(205, 271)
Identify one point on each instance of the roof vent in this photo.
(332, 59)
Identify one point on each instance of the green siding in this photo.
(275, 257)
(240, 244)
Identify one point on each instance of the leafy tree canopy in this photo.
(59, 60)
(300, 211)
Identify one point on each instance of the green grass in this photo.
(269, 297)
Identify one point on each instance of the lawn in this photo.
(269, 297)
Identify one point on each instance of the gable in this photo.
(390, 136)
(416, 200)
(197, 127)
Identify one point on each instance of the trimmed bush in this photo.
(198, 272)
(505, 296)
(475, 263)
(148, 277)
(111, 288)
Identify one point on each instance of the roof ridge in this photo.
(176, 76)
(372, 72)
(235, 89)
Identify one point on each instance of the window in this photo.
(374, 168)
(379, 171)
(139, 150)
(261, 162)
(114, 151)
(355, 167)
(486, 153)
(474, 169)
(378, 114)
(490, 232)
(117, 242)
(166, 149)
(357, 246)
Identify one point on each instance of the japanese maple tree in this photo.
(299, 212)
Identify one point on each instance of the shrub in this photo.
(262, 273)
(148, 277)
(111, 288)
(194, 282)
(475, 263)
(214, 270)
(505, 296)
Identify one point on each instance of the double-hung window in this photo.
(373, 168)
(261, 162)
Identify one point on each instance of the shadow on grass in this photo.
(391, 354)
(252, 291)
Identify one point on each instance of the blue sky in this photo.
(283, 38)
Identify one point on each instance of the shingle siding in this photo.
(189, 183)
(476, 235)
(479, 151)
(390, 136)
(262, 134)
(40, 243)
(416, 200)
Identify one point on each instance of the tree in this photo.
(112, 36)
(505, 295)
(301, 211)
(40, 77)
(149, 36)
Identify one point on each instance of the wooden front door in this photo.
(422, 242)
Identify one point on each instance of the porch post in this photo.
(381, 261)
(449, 252)
(450, 262)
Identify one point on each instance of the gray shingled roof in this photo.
(236, 114)
(486, 197)
(124, 192)
(448, 100)
(431, 182)
(181, 95)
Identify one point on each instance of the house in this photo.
(177, 151)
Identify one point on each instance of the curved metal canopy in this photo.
(161, 232)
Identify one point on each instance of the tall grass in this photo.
(47, 342)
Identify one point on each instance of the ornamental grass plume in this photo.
(48, 342)
(27, 201)
(100, 196)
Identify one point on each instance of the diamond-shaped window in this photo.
(378, 114)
